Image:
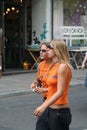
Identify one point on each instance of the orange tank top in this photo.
(51, 82)
(43, 68)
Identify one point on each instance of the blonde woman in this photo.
(58, 82)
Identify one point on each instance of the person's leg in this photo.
(53, 121)
(86, 79)
(59, 119)
(42, 121)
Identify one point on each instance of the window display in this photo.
(75, 12)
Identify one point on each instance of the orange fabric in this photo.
(43, 68)
(51, 82)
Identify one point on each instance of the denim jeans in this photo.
(86, 79)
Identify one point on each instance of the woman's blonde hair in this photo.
(61, 51)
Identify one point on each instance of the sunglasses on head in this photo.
(50, 46)
(43, 50)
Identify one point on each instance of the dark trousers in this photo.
(59, 119)
(42, 121)
(54, 119)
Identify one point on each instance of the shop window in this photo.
(75, 13)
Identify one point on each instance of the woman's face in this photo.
(44, 52)
(51, 52)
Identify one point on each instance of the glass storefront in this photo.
(16, 25)
(75, 13)
(16, 31)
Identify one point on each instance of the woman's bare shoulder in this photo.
(63, 67)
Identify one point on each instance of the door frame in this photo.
(3, 36)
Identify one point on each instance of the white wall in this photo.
(57, 17)
(41, 14)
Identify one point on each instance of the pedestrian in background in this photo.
(58, 82)
(39, 85)
(84, 66)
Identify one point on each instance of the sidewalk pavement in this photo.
(17, 84)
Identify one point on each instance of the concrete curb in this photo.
(24, 92)
(15, 93)
(77, 84)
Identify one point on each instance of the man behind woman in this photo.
(57, 79)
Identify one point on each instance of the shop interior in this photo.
(15, 25)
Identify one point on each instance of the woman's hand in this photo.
(34, 85)
(39, 90)
(39, 110)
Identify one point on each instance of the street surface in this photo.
(78, 104)
(16, 112)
